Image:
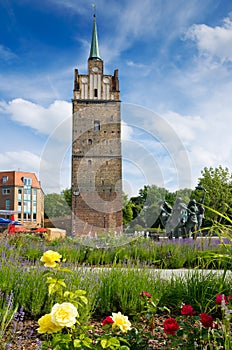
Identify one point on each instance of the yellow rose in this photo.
(64, 315)
(121, 321)
(46, 325)
(51, 258)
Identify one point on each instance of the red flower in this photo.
(219, 298)
(187, 310)
(148, 295)
(171, 326)
(229, 297)
(206, 320)
(107, 320)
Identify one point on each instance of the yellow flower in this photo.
(121, 321)
(64, 315)
(51, 258)
(46, 325)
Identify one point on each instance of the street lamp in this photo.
(104, 222)
(75, 193)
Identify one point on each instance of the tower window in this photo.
(89, 162)
(90, 142)
(96, 125)
(95, 92)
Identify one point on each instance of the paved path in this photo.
(166, 273)
(186, 272)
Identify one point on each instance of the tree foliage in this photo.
(55, 205)
(218, 184)
(127, 209)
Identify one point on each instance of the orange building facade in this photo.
(21, 193)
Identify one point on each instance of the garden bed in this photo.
(27, 337)
(23, 286)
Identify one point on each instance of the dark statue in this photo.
(182, 220)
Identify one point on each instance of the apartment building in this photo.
(21, 193)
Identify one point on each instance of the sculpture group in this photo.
(182, 220)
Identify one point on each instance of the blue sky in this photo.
(175, 69)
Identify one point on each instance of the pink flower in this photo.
(206, 320)
(107, 320)
(219, 298)
(187, 310)
(171, 326)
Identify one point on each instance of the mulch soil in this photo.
(26, 337)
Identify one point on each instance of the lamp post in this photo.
(75, 193)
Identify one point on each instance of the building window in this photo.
(89, 163)
(6, 190)
(27, 181)
(7, 204)
(96, 125)
(26, 217)
(27, 206)
(27, 193)
(34, 217)
(4, 179)
(95, 92)
(20, 190)
(90, 142)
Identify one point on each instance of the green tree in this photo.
(218, 184)
(127, 213)
(55, 205)
(68, 196)
(127, 209)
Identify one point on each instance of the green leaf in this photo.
(87, 342)
(104, 343)
(64, 269)
(114, 341)
(83, 299)
(77, 343)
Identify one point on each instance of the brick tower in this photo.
(96, 148)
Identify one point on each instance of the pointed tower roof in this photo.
(94, 50)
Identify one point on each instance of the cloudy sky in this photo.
(175, 68)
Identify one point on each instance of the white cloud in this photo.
(213, 41)
(41, 119)
(20, 160)
(6, 54)
(126, 131)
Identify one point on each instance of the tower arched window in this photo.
(96, 125)
(90, 141)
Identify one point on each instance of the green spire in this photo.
(94, 51)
